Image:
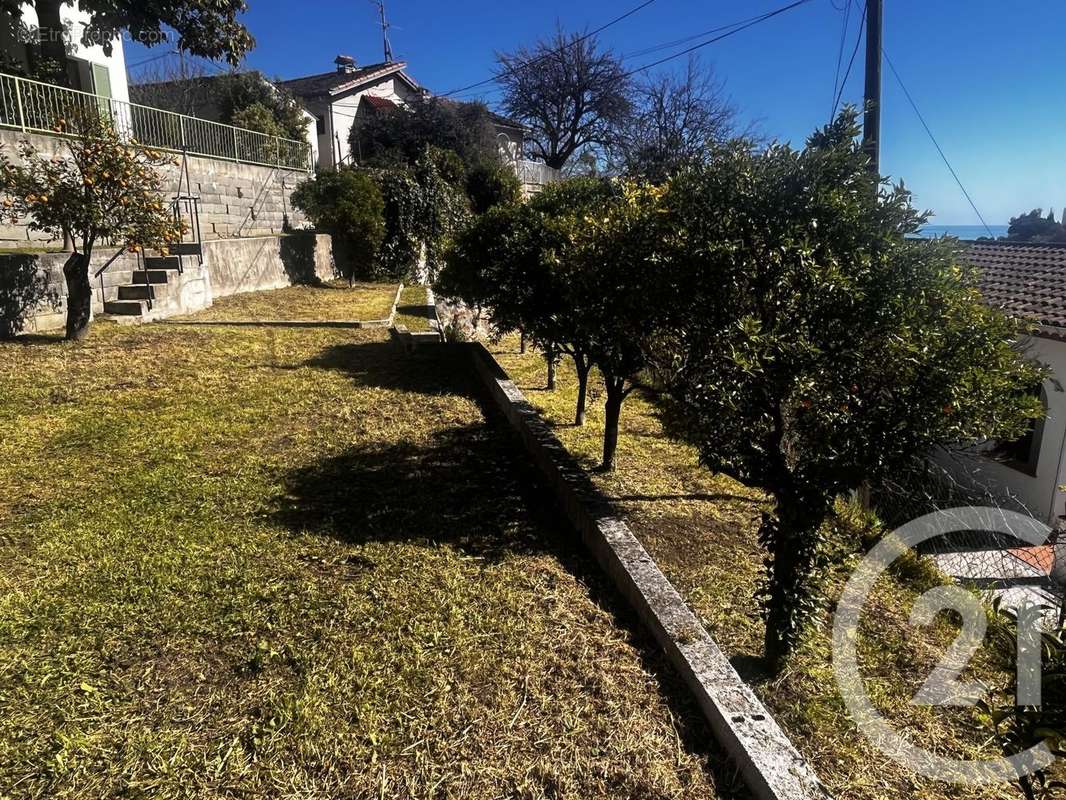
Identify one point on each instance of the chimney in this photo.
(344, 63)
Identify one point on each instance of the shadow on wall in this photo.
(298, 259)
(24, 290)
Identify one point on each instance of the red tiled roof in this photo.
(331, 83)
(1025, 280)
(382, 103)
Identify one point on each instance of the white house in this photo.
(350, 92)
(337, 98)
(1027, 280)
(89, 68)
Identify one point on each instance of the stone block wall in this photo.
(236, 200)
(33, 290)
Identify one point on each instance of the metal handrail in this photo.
(34, 106)
(536, 173)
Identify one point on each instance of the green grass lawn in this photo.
(411, 310)
(331, 301)
(701, 528)
(296, 563)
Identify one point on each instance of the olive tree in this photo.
(108, 190)
(812, 347)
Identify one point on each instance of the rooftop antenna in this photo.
(384, 30)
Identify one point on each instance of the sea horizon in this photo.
(967, 232)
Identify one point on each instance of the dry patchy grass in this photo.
(411, 310)
(263, 562)
(701, 528)
(334, 300)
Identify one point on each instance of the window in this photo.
(1023, 454)
(320, 125)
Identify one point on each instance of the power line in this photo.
(936, 144)
(150, 60)
(754, 21)
(678, 42)
(840, 55)
(544, 56)
(851, 63)
(667, 45)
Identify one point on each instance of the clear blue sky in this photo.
(987, 74)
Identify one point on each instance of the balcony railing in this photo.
(38, 107)
(535, 173)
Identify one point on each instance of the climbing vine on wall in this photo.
(423, 212)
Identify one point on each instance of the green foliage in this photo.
(423, 212)
(490, 185)
(570, 270)
(348, 205)
(257, 117)
(106, 189)
(248, 100)
(811, 347)
(208, 28)
(1035, 227)
(1014, 727)
(400, 137)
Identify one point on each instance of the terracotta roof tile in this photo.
(1027, 280)
(334, 82)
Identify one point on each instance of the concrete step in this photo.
(155, 276)
(187, 249)
(159, 291)
(125, 308)
(162, 262)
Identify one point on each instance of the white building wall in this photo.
(1039, 494)
(342, 114)
(115, 63)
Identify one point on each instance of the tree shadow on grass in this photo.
(469, 487)
(440, 370)
(460, 489)
(418, 312)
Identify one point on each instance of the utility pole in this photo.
(871, 127)
(384, 30)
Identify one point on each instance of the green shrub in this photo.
(423, 212)
(489, 185)
(400, 137)
(349, 206)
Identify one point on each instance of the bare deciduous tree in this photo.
(675, 117)
(175, 84)
(569, 91)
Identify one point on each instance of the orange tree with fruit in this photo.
(106, 190)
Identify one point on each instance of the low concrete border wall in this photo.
(772, 767)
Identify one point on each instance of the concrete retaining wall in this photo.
(235, 199)
(267, 262)
(771, 766)
(33, 291)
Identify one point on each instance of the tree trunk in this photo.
(522, 342)
(549, 356)
(612, 414)
(52, 41)
(790, 536)
(79, 296)
(583, 366)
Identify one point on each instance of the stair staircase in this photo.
(156, 287)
